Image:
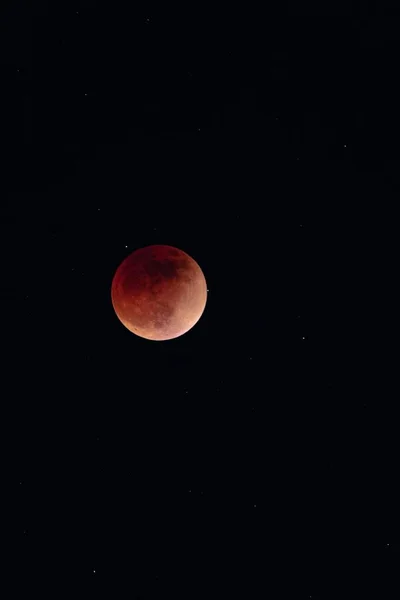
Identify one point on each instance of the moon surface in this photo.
(159, 292)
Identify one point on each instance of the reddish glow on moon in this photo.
(159, 292)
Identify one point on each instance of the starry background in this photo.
(248, 456)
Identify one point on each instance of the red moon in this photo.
(159, 292)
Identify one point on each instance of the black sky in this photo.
(247, 456)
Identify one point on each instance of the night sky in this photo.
(249, 457)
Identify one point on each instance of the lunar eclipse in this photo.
(159, 292)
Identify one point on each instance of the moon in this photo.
(159, 292)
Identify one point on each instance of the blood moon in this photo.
(159, 292)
